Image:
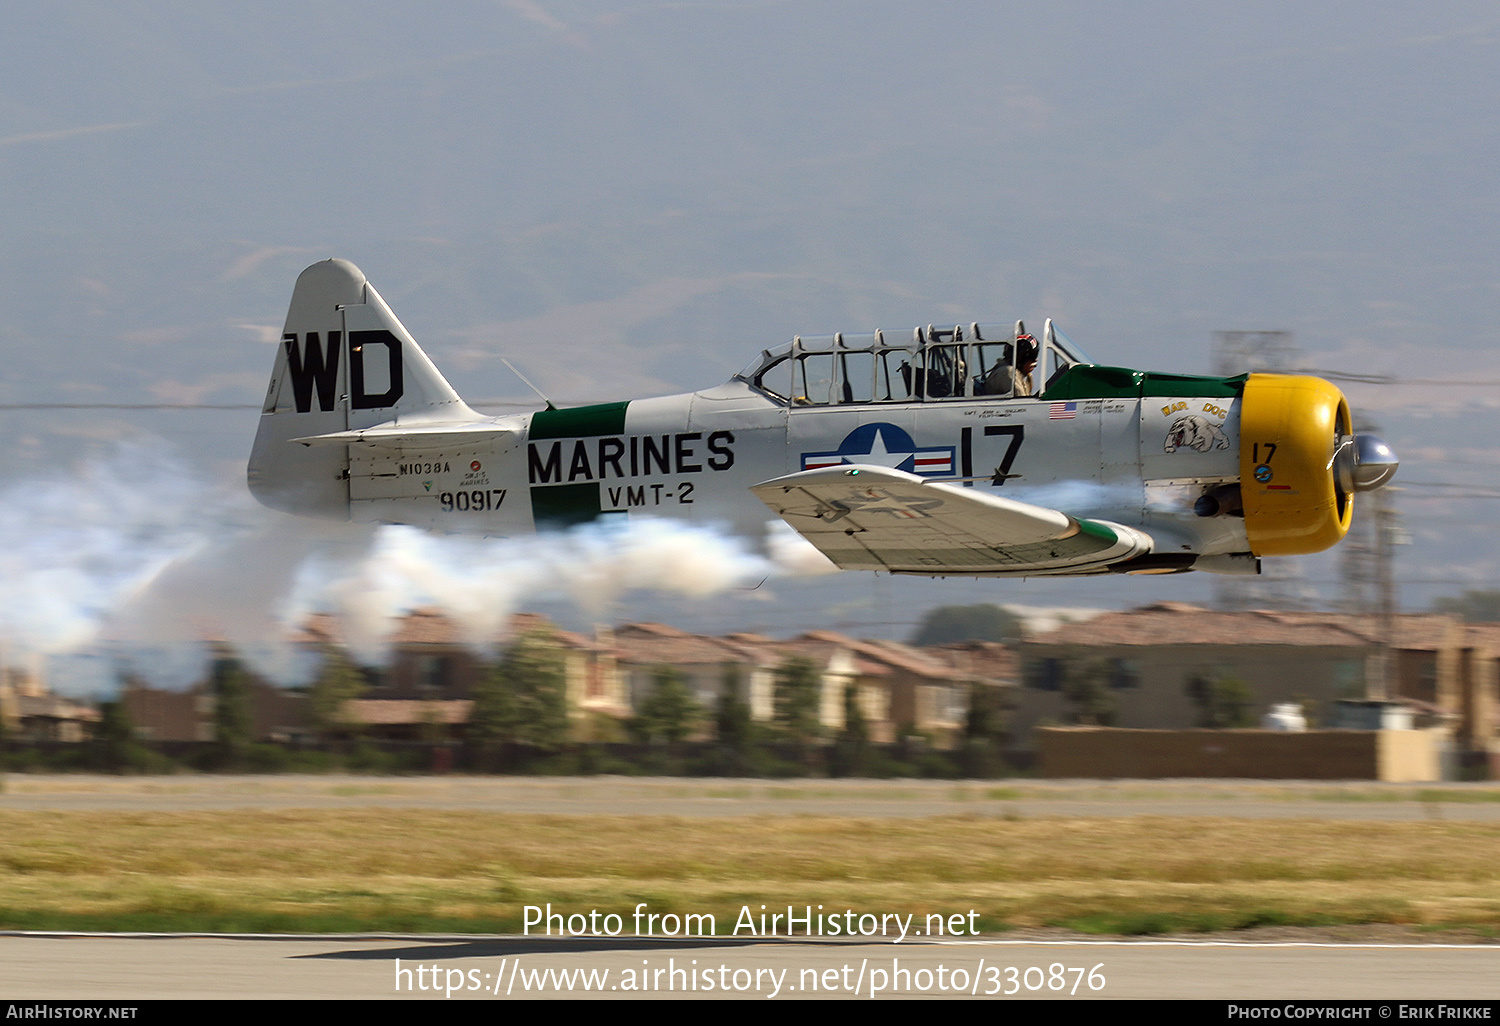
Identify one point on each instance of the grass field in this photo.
(406, 870)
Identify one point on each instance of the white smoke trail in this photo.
(1079, 497)
(78, 545)
(137, 549)
(793, 554)
(480, 582)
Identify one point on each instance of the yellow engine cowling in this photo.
(1290, 426)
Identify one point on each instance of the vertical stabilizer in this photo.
(344, 362)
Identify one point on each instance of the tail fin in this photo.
(345, 362)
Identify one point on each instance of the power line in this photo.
(1436, 484)
(128, 406)
(1389, 379)
(199, 406)
(1477, 491)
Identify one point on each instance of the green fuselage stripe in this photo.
(562, 506)
(1091, 382)
(580, 421)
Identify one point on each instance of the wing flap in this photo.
(875, 518)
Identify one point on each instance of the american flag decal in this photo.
(1062, 411)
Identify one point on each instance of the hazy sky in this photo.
(632, 198)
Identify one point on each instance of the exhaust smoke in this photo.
(142, 555)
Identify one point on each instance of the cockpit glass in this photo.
(1060, 354)
(774, 373)
(894, 380)
(856, 376)
(991, 368)
(1074, 353)
(929, 363)
(812, 385)
(764, 360)
(945, 371)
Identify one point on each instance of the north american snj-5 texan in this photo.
(971, 449)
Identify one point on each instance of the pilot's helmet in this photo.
(1025, 350)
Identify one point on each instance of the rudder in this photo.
(345, 362)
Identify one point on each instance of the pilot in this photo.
(1025, 360)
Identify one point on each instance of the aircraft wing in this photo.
(875, 518)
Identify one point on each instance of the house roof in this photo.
(434, 627)
(53, 707)
(1177, 623)
(418, 627)
(985, 660)
(882, 658)
(1482, 635)
(652, 643)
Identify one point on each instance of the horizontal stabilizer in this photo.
(431, 436)
(875, 518)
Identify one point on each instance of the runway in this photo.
(518, 968)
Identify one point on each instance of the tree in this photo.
(115, 740)
(492, 720)
(851, 755)
(795, 697)
(339, 681)
(983, 622)
(1086, 688)
(234, 725)
(1223, 700)
(1472, 606)
(732, 722)
(524, 700)
(985, 720)
(856, 728)
(984, 730)
(670, 712)
(734, 728)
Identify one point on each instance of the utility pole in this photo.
(1358, 588)
(1379, 680)
(1368, 579)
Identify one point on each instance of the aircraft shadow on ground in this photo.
(506, 946)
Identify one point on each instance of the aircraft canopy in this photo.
(928, 364)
